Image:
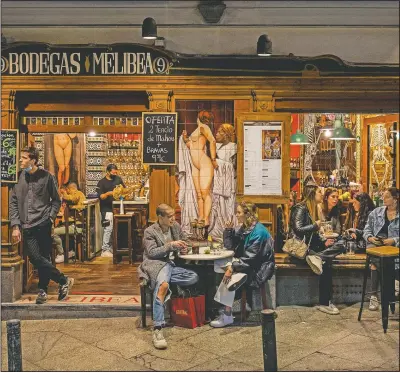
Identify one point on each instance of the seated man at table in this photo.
(161, 242)
(253, 263)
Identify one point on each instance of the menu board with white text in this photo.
(262, 158)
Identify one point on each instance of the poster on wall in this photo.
(64, 157)
(262, 158)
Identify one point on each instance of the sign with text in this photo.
(9, 153)
(159, 134)
(42, 59)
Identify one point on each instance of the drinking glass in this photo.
(351, 248)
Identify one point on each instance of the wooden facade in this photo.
(256, 85)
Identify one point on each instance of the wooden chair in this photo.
(122, 219)
(144, 289)
(386, 255)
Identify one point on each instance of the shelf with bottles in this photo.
(124, 151)
(295, 163)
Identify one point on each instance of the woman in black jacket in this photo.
(331, 210)
(305, 223)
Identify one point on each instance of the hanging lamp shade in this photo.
(299, 139)
(149, 28)
(264, 46)
(342, 134)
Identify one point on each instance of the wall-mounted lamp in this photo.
(149, 29)
(264, 46)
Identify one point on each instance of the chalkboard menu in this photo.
(159, 138)
(9, 153)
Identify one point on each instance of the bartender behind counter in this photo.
(105, 189)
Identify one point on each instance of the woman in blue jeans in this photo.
(382, 229)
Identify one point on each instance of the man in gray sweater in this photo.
(34, 204)
(161, 242)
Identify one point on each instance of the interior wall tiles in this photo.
(96, 154)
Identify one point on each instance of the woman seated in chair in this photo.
(254, 256)
(382, 229)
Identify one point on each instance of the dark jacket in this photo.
(34, 199)
(301, 225)
(254, 249)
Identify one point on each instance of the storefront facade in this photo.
(124, 80)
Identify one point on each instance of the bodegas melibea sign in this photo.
(41, 59)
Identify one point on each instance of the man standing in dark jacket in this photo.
(34, 204)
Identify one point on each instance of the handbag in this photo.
(296, 247)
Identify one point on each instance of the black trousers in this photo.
(37, 245)
(325, 280)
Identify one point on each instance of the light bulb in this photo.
(328, 133)
(92, 134)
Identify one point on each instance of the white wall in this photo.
(355, 31)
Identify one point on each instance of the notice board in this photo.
(9, 153)
(159, 136)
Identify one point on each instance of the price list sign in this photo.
(159, 134)
(9, 153)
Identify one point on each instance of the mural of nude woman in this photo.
(62, 153)
(203, 165)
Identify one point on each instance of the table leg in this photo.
(384, 295)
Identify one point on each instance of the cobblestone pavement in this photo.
(307, 340)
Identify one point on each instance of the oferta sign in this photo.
(42, 59)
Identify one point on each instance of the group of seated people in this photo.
(254, 247)
(366, 225)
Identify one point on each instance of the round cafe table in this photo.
(205, 266)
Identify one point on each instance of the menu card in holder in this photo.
(9, 153)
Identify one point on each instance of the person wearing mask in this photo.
(105, 189)
(254, 256)
(162, 241)
(356, 218)
(330, 209)
(382, 229)
(305, 223)
(33, 207)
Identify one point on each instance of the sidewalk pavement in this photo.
(307, 340)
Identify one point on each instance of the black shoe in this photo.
(41, 297)
(63, 290)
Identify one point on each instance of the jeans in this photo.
(107, 234)
(325, 281)
(38, 243)
(174, 275)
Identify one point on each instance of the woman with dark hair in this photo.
(254, 256)
(382, 229)
(357, 216)
(330, 209)
(304, 223)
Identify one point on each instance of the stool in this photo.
(144, 288)
(386, 255)
(119, 218)
(243, 314)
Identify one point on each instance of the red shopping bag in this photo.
(200, 306)
(183, 312)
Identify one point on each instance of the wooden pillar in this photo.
(162, 178)
(11, 261)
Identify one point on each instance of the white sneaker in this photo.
(373, 303)
(331, 309)
(59, 258)
(159, 341)
(396, 288)
(315, 263)
(107, 254)
(236, 281)
(71, 254)
(221, 321)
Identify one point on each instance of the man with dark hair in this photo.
(105, 189)
(34, 204)
(161, 242)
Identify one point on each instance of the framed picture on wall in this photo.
(263, 157)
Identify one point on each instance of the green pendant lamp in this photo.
(299, 139)
(341, 133)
